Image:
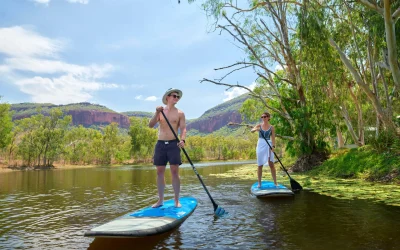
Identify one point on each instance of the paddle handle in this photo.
(187, 156)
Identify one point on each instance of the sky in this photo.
(123, 54)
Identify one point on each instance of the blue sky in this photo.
(123, 54)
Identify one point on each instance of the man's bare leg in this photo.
(160, 186)
(259, 175)
(176, 183)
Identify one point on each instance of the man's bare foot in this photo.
(178, 204)
(158, 204)
(259, 185)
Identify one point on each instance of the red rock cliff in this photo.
(93, 117)
(213, 123)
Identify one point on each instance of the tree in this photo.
(143, 138)
(265, 32)
(6, 125)
(41, 138)
(110, 142)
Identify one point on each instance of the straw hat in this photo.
(169, 91)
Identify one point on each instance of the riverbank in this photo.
(359, 173)
(4, 168)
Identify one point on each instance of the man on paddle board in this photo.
(264, 152)
(167, 148)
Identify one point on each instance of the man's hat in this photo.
(169, 91)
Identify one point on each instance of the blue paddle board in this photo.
(268, 189)
(147, 221)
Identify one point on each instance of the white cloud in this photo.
(45, 2)
(79, 1)
(27, 51)
(151, 98)
(236, 91)
(20, 42)
(61, 90)
(4, 69)
(52, 66)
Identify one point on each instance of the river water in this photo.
(52, 209)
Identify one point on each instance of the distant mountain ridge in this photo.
(138, 114)
(88, 114)
(83, 113)
(219, 116)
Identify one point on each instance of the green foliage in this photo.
(138, 114)
(214, 147)
(110, 140)
(364, 162)
(143, 138)
(78, 145)
(42, 138)
(387, 140)
(6, 125)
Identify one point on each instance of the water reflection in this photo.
(132, 243)
(53, 209)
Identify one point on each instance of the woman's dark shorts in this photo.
(167, 151)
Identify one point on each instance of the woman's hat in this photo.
(169, 91)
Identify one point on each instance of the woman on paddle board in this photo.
(264, 152)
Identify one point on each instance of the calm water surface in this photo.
(52, 210)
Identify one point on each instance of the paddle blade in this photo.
(295, 185)
(219, 211)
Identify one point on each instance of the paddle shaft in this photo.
(276, 156)
(187, 156)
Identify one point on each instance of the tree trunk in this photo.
(340, 140)
(371, 96)
(391, 43)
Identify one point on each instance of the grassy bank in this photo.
(360, 173)
(361, 163)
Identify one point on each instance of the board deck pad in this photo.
(147, 221)
(268, 189)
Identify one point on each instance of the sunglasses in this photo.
(175, 96)
(264, 116)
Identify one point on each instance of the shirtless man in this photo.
(167, 148)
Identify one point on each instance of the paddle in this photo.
(217, 209)
(294, 184)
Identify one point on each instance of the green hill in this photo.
(138, 114)
(22, 110)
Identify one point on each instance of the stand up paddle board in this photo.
(147, 221)
(268, 189)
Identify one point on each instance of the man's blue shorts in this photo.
(167, 151)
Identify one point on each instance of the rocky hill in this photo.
(219, 116)
(84, 113)
(88, 114)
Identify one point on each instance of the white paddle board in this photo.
(268, 189)
(147, 221)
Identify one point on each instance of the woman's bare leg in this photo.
(259, 175)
